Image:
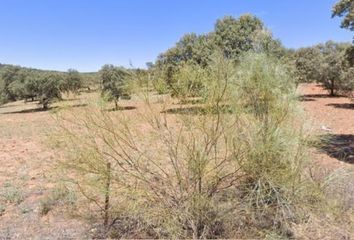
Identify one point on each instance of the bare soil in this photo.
(332, 119)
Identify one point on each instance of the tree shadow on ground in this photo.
(339, 146)
(312, 97)
(124, 108)
(197, 110)
(31, 110)
(305, 99)
(342, 105)
(9, 106)
(34, 110)
(69, 99)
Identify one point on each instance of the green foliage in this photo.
(328, 64)
(307, 65)
(17, 83)
(9, 75)
(333, 66)
(274, 149)
(264, 42)
(114, 83)
(263, 84)
(158, 81)
(72, 81)
(345, 8)
(234, 36)
(231, 37)
(49, 89)
(31, 87)
(189, 81)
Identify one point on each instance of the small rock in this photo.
(324, 128)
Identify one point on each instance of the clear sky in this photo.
(85, 34)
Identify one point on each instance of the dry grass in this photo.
(25, 159)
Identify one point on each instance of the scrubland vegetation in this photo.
(217, 145)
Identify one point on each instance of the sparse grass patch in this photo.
(10, 193)
(59, 195)
(2, 209)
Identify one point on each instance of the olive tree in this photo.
(113, 80)
(333, 68)
(307, 62)
(234, 36)
(72, 81)
(345, 8)
(49, 89)
(26, 86)
(9, 76)
(31, 87)
(231, 36)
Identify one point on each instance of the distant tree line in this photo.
(179, 71)
(17, 83)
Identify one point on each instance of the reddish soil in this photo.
(24, 177)
(332, 117)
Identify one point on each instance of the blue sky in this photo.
(85, 34)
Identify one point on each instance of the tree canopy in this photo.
(345, 9)
(113, 80)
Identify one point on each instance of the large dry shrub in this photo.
(226, 168)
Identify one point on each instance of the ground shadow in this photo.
(339, 146)
(31, 110)
(69, 99)
(342, 105)
(312, 97)
(34, 110)
(9, 106)
(197, 110)
(124, 108)
(305, 99)
(75, 105)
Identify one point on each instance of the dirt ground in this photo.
(24, 179)
(332, 118)
(25, 160)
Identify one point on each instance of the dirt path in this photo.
(332, 116)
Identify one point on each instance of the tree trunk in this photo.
(45, 105)
(332, 87)
(107, 194)
(116, 104)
